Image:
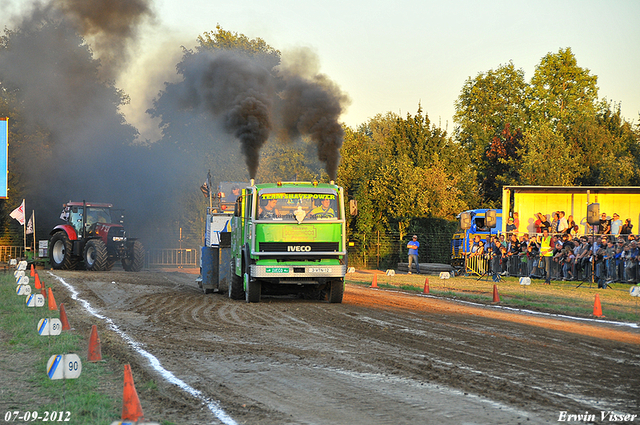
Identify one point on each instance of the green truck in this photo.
(288, 237)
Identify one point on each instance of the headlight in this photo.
(119, 239)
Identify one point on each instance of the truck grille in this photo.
(298, 247)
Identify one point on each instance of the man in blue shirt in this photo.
(413, 253)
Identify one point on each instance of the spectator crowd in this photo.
(608, 254)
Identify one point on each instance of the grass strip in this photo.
(25, 354)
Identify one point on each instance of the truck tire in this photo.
(235, 287)
(95, 255)
(336, 291)
(135, 261)
(253, 290)
(60, 252)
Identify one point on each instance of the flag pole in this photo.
(33, 214)
(24, 229)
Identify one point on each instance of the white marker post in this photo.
(22, 280)
(22, 265)
(35, 300)
(18, 273)
(524, 282)
(64, 366)
(49, 327)
(23, 290)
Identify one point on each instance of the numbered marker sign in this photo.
(49, 327)
(525, 281)
(64, 366)
(351, 270)
(13, 262)
(22, 265)
(445, 275)
(23, 290)
(391, 272)
(35, 300)
(22, 280)
(635, 291)
(18, 273)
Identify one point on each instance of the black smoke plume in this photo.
(252, 101)
(237, 90)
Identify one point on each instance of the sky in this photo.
(394, 56)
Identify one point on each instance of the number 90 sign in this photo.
(64, 366)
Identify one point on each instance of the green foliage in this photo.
(401, 171)
(552, 131)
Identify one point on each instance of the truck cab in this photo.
(462, 240)
(288, 237)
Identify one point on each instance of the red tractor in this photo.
(91, 237)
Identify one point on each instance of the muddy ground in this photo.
(380, 357)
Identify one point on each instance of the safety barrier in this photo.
(8, 252)
(185, 257)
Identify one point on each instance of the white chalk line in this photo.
(213, 405)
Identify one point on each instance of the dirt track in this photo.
(381, 357)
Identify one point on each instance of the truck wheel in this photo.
(235, 287)
(109, 265)
(60, 252)
(135, 260)
(95, 255)
(253, 290)
(336, 291)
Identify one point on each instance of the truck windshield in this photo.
(292, 206)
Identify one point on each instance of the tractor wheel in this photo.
(60, 252)
(336, 291)
(135, 261)
(109, 264)
(95, 255)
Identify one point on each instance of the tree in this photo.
(487, 105)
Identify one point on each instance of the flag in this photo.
(30, 225)
(206, 186)
(18, 213)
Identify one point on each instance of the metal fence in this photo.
(8, 252)
(180, 257)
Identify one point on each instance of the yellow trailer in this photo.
(524, 202)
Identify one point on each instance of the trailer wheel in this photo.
(95, 255)
(60, 252)
(336, 291)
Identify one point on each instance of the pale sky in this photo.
(391, 56)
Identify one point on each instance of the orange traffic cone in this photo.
(131, 408)
(63, 318)
(496, 297)
(426, 286)
(38, 285)
(32, 271)
(374, 284)
(597, 308)
(52, 301)
(95, 352)
(43, 291)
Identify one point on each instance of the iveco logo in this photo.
(298, 248)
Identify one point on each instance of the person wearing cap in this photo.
(616, 225)
(413, 246)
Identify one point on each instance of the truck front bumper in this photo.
(298, 271)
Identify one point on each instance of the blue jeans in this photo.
(414, 258)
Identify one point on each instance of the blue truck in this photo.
(462, 240)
